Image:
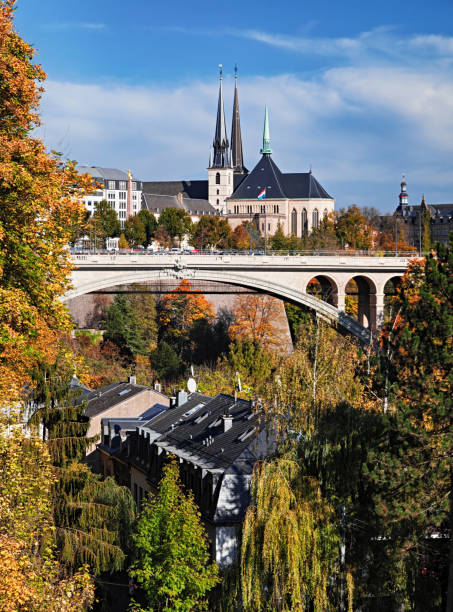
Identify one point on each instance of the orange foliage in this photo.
(254, 318)
(181, 309)
(40, 201)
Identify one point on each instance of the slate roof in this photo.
(110, 395)
(437, 211)
(112, 174)
(201, 437)
(189, 189)
(159, 202)
(266, 174)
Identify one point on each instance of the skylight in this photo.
(192, 410)
(124, 391)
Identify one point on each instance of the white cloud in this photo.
(75, 26)
(359, 125)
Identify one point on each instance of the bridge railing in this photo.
(257, 253)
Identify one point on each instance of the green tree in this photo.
(150, 224)
(290, 542)
(176, 221)
(353, 229)
(279, 242)
(210, 232)
(425, 220)
(172, 551)
(165, 361)
(92, 517)
(122, 327)
(135, 231)
(143, 305)
(122, 242)
(104, 222)
(413, 464)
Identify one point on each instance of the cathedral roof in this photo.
(156, 203)
(267, 175)
(189, 189)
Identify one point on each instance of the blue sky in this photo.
(360, 91)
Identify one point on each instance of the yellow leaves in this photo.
(254, 318)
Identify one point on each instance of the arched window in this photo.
(304, 222)
(294, 222)
(326, 214)
(217, 178)
(218, 202)
(315, 218)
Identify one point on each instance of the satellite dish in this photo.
(191, 385)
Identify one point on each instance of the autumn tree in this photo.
(353, 229)
(255, 317)
(30, 576)
(290, 542)
(179, 311)
(122, 242)
(210, 232)
(41, 202)
(171, 549)
(240, 239)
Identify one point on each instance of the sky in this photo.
(360, 92)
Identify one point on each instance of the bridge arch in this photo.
(324, 287)
(362, 291)
(325, 310)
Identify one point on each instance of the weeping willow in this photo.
(290, 545)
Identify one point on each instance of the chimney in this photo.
(172, 401)
(157, 387)
(132, 380)
(227, 422)
(181, 398)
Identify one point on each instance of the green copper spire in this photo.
(266, 137)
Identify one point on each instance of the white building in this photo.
(114, 188)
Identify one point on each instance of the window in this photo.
(304, 222)
(111, 196)
(268, 227)
(262, 227)
(134, 186)
(123, 185)
(294, 222)
(217, 202)
(122, 195)
(218, 191)
(249, 208)
(217, 178)
(325, 213)
(111, 184)
(236, 209)
(263, 209)
(134, 197)
(276, 208)
(315, 219)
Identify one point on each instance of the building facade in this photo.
(409, 219)
(121, 190)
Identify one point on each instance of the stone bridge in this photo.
(285, 277)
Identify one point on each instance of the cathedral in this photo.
(265, 196)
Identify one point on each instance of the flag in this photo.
(262, 194)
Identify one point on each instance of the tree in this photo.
(165, 361)
(30, 576)
(41, 202)
(290, 542)
(162, 236)
(143, 305)
(122, 242)
(353, 229)
(149, 222)
(324, 236)
(104, 222)
(425, 220)
(254, 318)
(92, 517)
(240, 238)
(134, 231)
(172, 551)
(122, 327)
(279, 242)
(413, 463)
(210, 232)
(176, 221)
(179, 311)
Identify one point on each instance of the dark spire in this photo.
(221, 144)
(236, 139)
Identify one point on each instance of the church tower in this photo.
(403, 194)
(220, 172)
(236, 138)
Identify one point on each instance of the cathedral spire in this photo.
(266, 135)
(236, 139)
(221, 144)
(403, 194)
